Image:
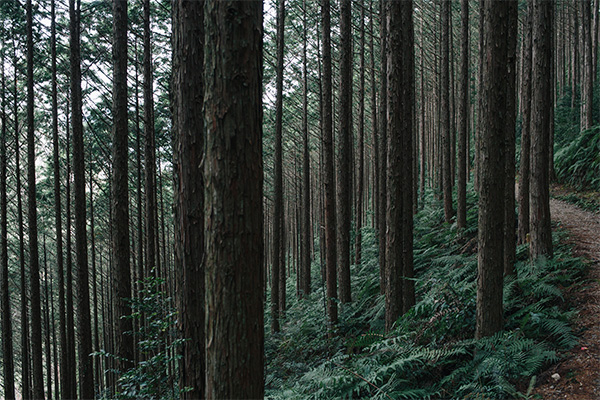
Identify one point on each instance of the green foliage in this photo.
(151, 378)
(578, 162)
(431, 352)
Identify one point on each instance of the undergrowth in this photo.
(431, 352)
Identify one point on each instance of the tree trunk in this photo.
(587, 88)
(525, 162)
(121, 281)
(383, 157)
(278, 267)
(7, 333)
(328, 171)
(445, 112)
(510, 240)
(306, 226)
(541, 109)
(233, 193)
(188, 89)
(85, 365)
(463, 118)
(344, 174)
(34, 266)
(361, 135)
(494, 92)
(152, 266)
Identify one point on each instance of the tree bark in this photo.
(494, 92)
(85, 365)
(121, 284)
(7, 333)
(541, 108)
(587, 87)
(34, 262)
(344, 175)
(328, 171)
(278, 266)
(361, 134)
(525, 162)
(445, 112)
(510, 240)
(233, 199)
(306, 226)
(188, 89)
(463, 118)
(383, 157)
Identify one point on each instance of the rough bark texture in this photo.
(463, 118)
(445, 112)
(587, 87)
(525, 163)
(408, 101)
(7, 339)
(152, 259)
(306, 226)
(34, 266)
(361, 138)
(510, 239)
(188, 89)
(344, 174)
(489, 319)
(85, 364)
(328, 172)
(541, 108)
(121, 285)
(383, 168)
(58, 209)
(233, 200)
(278, 267)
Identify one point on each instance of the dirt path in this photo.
(580, 371)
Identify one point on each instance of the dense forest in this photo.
(294, 199)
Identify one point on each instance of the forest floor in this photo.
(577, 375)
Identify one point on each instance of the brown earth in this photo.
(579, 372)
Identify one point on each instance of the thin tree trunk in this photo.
(587, 89)
(7, 333)
(445, 112)
(344, 174)
(525, 162)
(34, 266)
(306, 226)
(361, 135)
(328, 171)
(383, 167)
(463, 118)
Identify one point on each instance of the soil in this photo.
(579, 371)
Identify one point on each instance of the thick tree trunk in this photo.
(344, 174)
(541, 111)
(494, 92)
(34, 266)
(233, 199)
(188, 89)
(463, 118)
(121, 281)
(328, 171)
